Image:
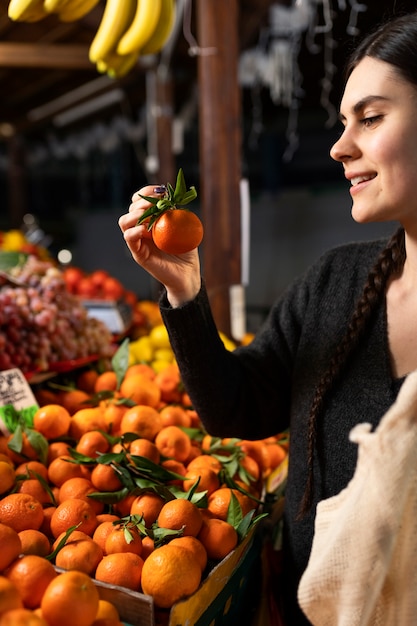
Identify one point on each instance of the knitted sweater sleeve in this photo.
(245, 393)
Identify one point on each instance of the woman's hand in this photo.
(180, 274)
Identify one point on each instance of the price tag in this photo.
(16, 392)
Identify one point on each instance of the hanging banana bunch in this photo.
(128, 29)
(142, 27)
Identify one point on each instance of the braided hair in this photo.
(388, 264)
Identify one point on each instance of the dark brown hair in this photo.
(394, 42)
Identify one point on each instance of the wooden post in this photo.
(220, 151)
(165, 113)
(17, 183)
(161, 107)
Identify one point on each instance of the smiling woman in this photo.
(339, 341)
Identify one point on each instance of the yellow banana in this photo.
(142, 26)
(26, 10)
(117, 65)
(53, 6)
(75, 11)
(163, 29)
(116, 18)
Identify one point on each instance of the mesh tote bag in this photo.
(363, 564)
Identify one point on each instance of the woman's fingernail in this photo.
(160, 190)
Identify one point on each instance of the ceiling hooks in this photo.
(356, 8)
(194, 49)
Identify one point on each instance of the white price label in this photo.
(15, 390)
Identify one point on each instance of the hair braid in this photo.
(390, 261)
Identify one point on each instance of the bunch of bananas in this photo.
(128, 28)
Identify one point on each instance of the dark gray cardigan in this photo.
(268, 386)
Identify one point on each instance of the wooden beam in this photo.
(59, 56)
(220, 151)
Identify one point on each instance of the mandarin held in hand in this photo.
(175, 230)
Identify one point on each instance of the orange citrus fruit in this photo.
(174, 443)
(107, 610)
(181, 514)
(105, 478)
(169, 574)
(56, 449)
(121, 568)
(26, 452)
(36, 489)
(106, 381)
(121, 541)
(63, 468)
(11, 546)
(80, 487)
(72, 598)
(75, 535)
(21, 511)
(141, 389)
(148, 505)
(83, 420)
(73, 512)
(31, 469)
(82, 555)
(146, 448)
(86, 380)
(34, 542)
(142, 420)
(101, 533)
(74, 400)
(258, 451)
(195, 546)
(174, 415)
(9, 596)
(219, 500)
(208, 480)
(31, 574)
(218, 537)
(177, 468)
(140, 368)
(113, 413)
(22, 617)
(52, 421)
(177, 231)
(148, 546)
(7, 477)
(92, 443)
(204, 460)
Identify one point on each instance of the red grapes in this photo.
(42, 323)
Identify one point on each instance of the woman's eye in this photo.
(369, 121)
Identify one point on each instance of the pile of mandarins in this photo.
(118, 482)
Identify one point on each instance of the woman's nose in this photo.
(344, 148)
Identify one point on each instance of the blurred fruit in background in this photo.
(14, 240)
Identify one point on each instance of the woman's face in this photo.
(378, 146)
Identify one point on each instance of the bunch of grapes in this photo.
(41, 323)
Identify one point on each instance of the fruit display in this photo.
(115, 479)
(127, 30)
(174, 230)
(41, 323)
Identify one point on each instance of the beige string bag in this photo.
(363, 564)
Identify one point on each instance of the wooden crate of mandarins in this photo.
(217, 598)
(129, 489)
